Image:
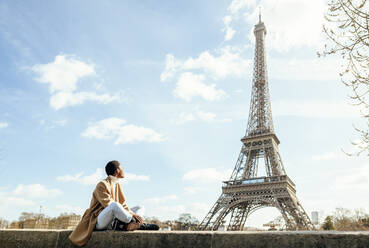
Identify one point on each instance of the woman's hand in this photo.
(138, 218)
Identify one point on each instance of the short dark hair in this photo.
(111, 167)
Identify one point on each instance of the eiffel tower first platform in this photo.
(244, 192)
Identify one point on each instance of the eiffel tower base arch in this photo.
(241, 200)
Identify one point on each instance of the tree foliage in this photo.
(29, 215)
(347, 30)
(343, 219)
(328, 223)
(187, 222)
(347, 220)
(3, 223)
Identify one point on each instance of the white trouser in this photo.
(114, 210)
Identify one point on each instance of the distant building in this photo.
(42, 223)
(61, 222)
(315, 217)
(272, 225)
(16, 225)
(64, 222)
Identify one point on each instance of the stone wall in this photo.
(177, 239)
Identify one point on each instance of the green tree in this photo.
(328, 223)
(347, 33)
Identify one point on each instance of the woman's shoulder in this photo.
(102, 183)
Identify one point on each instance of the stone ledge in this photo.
(181, 239)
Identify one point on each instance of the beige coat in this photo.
(101, 198)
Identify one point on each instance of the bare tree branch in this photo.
(348, 36)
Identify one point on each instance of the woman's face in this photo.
(120, 172)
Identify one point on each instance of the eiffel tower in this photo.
(244, 192)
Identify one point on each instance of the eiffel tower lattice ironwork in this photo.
(244, 192)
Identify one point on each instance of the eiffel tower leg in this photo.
(294, 215)
(238, 217)
(290, 223)
(211, 220)
(302, 220)
(307, 224)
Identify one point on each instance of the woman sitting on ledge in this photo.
(108, 208)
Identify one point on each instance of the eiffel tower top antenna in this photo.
(260, 119)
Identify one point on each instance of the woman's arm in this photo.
(103, 195)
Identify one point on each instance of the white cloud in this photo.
(24, 198)
(35, 191)
(191, 73)
(237, 5)
(305, 69)
(199, 210)
(65, 99)
(166, 212)
(227, 63)
(66, 208)
(190, 85)
(92, 179)
(116, 128)
(15, 202)
(206, 116)
(356, 178)
(4, 125)
(161, 200)
(229, 31)
(62, 75)
(191, 190)
(12, 205)
(290, 23)
(185, 117)
(61, 123)
(98, 175)
(53, 124)
(207, 175)
(314, 109)
(326, 156)
(198, 115)
(133, 134)
(171, 67)
(134, 177)
(171, 212)
(234, 9)
(104, 129)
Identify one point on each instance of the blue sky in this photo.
(165, 89)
